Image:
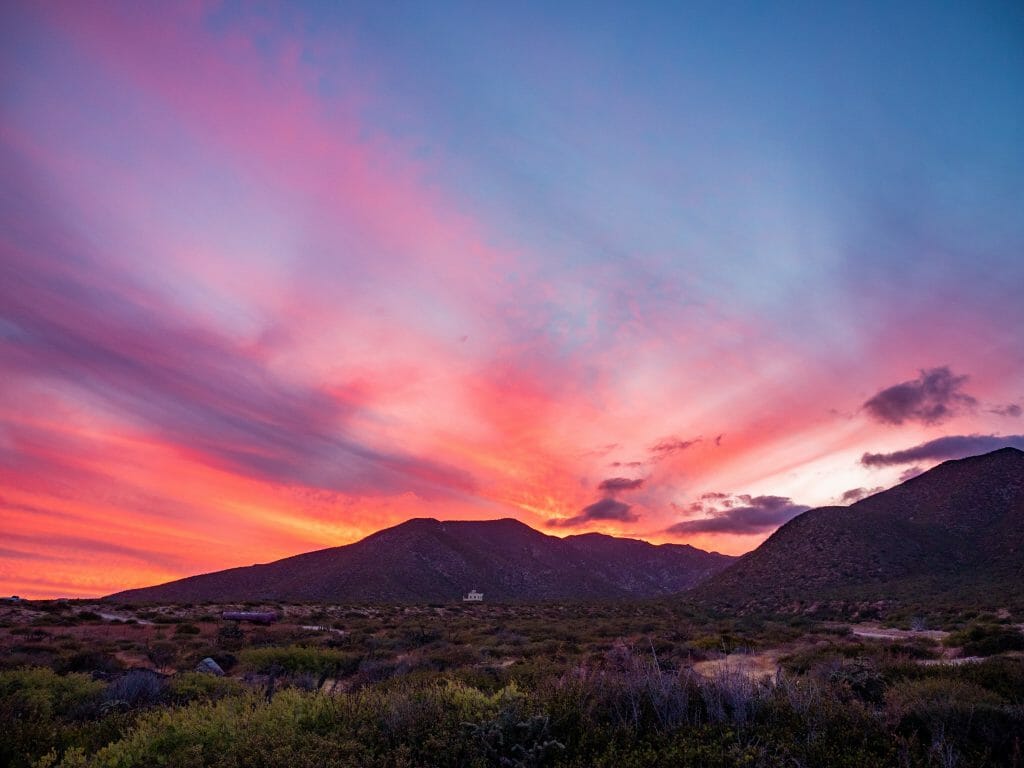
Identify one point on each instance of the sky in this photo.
(273, 278)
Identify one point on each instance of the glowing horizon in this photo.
(272, 280)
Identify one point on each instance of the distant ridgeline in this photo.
(426, 560)
(951, 536)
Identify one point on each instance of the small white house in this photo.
(473, 597)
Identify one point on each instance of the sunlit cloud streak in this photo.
(1011, 410)
(271, 280)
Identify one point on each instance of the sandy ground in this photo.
(321, 628)
(756, 666)
(119, 617)
(955, 662)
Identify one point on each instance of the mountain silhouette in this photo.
(427, 560)
(952, 534)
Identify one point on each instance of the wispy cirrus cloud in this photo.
(256, 282)
(75, 320)
(669, 446)
(1012, 410)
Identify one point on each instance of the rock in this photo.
(209, 667)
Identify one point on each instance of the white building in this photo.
(473, 597)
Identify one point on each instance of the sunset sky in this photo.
(273, 279)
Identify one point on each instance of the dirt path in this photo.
(875, 632)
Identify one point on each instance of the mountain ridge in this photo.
(957, 529)
(429, 560)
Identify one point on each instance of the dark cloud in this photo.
(604, 509)
(670, 445)
(616, 484)
(1012, 410)
(931, 398)
(632, 464)
(742, 514)
(79, 323)
(910, 473)
(949, 447)
(856, 494)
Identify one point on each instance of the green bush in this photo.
(964, 719)
(984, 639)
(196, 686)
(298, 658)
(419, 727)
(34, 705)
(41, 693)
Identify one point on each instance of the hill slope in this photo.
(954, 532)
(426, 560)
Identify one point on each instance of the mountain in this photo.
(954, 534)
(427, 560)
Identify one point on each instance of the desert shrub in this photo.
(298, 658)
(162, 653)
(984, 639)
(513, 742)
(196, 686)
(1003, 676)
(90, 661)
(957, 718)
(51, 607)
(136, 688)
(41, 693)
(230, 636)
(186, 629)
(33, 704)
(372, 671)
(823, 655)
(860, 678)
(417, 727)
(918, 648)
(631, 692)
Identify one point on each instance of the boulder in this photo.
(209, 667)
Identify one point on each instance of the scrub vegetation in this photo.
(653, 684)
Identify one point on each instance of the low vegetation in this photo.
(505, 686)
